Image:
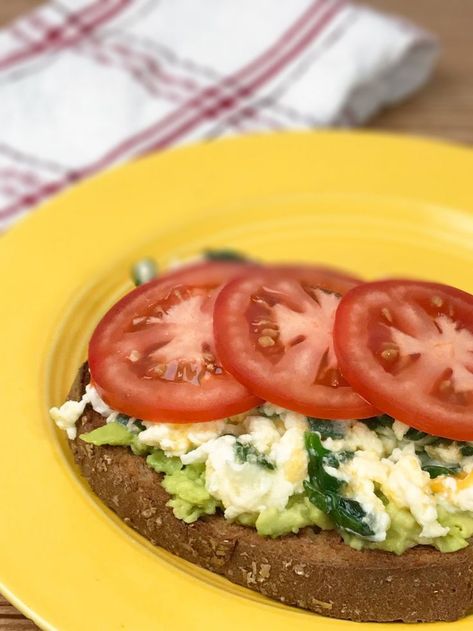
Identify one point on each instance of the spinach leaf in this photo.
(324, 490)
(122, 419)
(143, 271)
(345, 512)
(423, 438)
(319, 499)
(440, 440)
(467, 450)
(435, 468)
(327, 429)
(245, 452)
(224, 255)
(384, 420)
(350, 515)
(414, 434)
(317, 459)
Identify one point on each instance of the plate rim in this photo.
(382, 144)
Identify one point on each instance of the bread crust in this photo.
(313, 570)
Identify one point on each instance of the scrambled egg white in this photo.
(70, 412)
(398, 475)
(248, 487)
(383, 463)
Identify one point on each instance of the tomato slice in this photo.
(407, 346)
(273, 332)
(152, 355)
(334, 279)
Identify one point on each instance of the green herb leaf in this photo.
(245, 452)
(435, 468)
(334, 458)
(314, 446)
(122, 419)
(441, 440)
(414, 434)
(324, 490)
(317, 458)
(466, 450)
(319, 499)
(225, 255)
(384, 420)
(350, 515)
(143, 271)
(327, 429)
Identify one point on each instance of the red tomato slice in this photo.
(273, 332)
(407, 346)
(152, 355)
(339, 281)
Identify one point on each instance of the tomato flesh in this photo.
(153, 357)
(273, 332)
(407, 346)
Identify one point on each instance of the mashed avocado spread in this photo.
(380, 484)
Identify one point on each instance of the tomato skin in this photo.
(271, 380)
(411, 389)
(217, 396)
(335, 279)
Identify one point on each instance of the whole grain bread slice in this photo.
(313, 570)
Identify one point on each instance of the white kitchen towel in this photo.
(85, 85)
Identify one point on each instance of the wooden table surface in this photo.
(444, 109)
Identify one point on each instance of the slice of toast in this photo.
(314, 569)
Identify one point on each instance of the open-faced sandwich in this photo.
(294, 429)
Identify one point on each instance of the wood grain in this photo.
(9, 9)
(12, 620)
(443, 109)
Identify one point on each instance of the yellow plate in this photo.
(378, 205)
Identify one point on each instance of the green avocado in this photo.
(461, 529)
(404, 532)
(190, 500)
(115, 434)
(158, 461)
(299, 513)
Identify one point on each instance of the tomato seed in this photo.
(390, 354)
(334, 380)
(265, 340)
(387, 314)
(270, 332)
(436, 301)
(445, 385)
(134, 356)
(159, 369)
